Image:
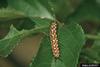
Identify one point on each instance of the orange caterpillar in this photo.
(54, 39)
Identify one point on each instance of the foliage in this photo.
(71, 38)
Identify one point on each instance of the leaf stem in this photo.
(8, 13)
(94, 37)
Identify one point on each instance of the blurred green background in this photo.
(87, 14)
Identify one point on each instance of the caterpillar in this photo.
(54, 39)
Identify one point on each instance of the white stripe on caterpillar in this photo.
(54, 39)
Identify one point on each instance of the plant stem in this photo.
(94, 37)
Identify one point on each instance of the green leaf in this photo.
(14, 37)
(31, 8)
(58, 63)
(42, 22)
(35, 10)
(10, 41)
(49, 9)
(44, 56)
(71, 40)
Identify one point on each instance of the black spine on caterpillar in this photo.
(54, 39)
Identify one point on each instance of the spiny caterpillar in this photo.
(54, 39)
